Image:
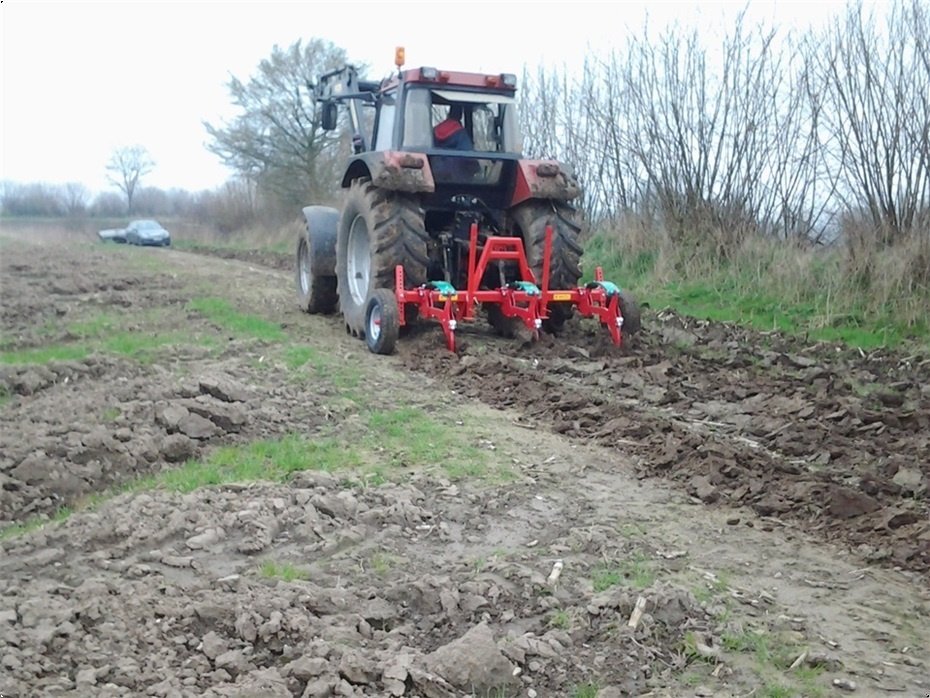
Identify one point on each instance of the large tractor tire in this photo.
(378, 230)
(315, 275)
(531, 219)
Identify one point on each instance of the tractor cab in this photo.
(465, 123)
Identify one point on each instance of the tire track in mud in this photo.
(831, 439)
(834, 442)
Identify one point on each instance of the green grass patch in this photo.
(691, 652)
(560, 619)
(298, 356)
(44, 355)
(34, 524)
(268, 460)
(282, 570)
(240, 245)
(765, 647)
(586, 690)
(637, 572)
(141, 346)
(773, 658)
(409, 437)
(343, 376)
(382, 563)
(272, 460)
(223, 314)
(95, 326)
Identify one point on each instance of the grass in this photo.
(409, 437)
(821, 294)
(586, 690)
(343, 376)
(142, 346)
(275, 460)
(221, 313)
(560, 619)
(282, 570)
(34, 524)
(44, 355)
(691, 651)
(636, 572)
(382, 563)
(279, 246)
(268, 460)
(95, 326)
(773, 658)
(99, 332)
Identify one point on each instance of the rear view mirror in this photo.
(329, 115)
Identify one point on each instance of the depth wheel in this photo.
(629, 308)
(382, 322)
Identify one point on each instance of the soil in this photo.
(765, 496)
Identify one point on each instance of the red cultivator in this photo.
(526, 300)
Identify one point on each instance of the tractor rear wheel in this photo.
(378, 230)
(531, 219)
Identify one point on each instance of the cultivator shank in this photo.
(527, 299)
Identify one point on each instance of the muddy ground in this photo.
(765, 497)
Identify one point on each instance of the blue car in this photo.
(147, 232)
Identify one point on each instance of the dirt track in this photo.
(746, 486)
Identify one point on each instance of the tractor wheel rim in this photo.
(374, 323)
(358, 260)
(304, 268)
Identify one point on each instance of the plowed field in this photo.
(204, 491)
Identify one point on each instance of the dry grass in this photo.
(861, 293)
(253, 236)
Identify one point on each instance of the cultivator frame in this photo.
(526, 299)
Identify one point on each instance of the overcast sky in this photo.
(80, 79)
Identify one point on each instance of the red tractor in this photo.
(444, 218)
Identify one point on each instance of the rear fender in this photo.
(544, 179)
(393, 170)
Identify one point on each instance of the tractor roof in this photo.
(500, 83)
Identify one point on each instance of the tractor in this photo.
(445, 228)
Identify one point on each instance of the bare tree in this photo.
(276, 140)
(127, 166)
(876, 82)
(75, 196)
